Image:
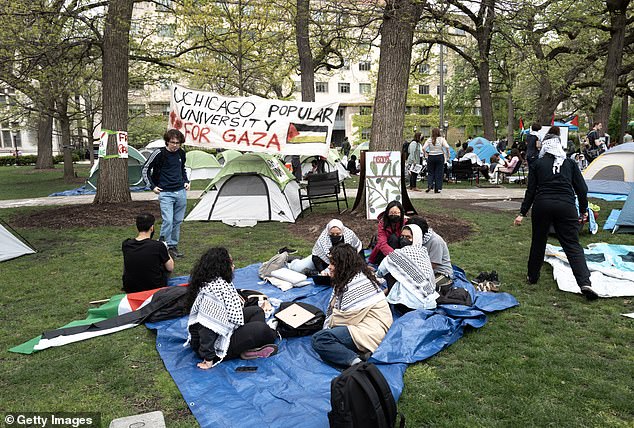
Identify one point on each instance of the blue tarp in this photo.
(483, 148)
(611, 221)
(83, 190)
(607, 196)
(293, 387)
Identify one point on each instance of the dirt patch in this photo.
(468, 204)
(311, 225)
(88, 215)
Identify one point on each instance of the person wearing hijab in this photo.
(411, 269)
(391, 221)
(334, 233)
(553, 182)
(357, 317)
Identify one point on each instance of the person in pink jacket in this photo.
(391, 221)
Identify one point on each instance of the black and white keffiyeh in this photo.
(411, 266)
(426, 236)
(323, 245)
(552, 145)
(217, 307)
(359, 293)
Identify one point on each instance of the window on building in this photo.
(365, 133)
(6, 139)
(423, 89)
(424, 110)
(444, 68)
(408, 109)
(365, 88)
(166, 30)
(18, 139)
(297, 86)
(136, 110)
(365, 66)
(340, 113)
(423, 68)
(321, 87)
(365, 110)
(459, 110)
(477, 111)
(344, 88)
(444, 90)
(346, 65)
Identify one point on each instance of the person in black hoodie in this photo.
(553, 182)
(164, 172)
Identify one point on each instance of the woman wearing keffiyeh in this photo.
(415, 285)
(334, 233)
(553, 182)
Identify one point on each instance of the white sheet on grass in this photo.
(611, 278)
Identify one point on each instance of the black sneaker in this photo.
(531, 281)
(493, 276)
(286, 250)
(482, 276)
(589, 292)
(175, 253)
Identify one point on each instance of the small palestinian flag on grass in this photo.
(122, 312)
(300, 133)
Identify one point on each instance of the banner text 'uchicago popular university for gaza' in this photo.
(247, 123)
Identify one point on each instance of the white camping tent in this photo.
(10, 246)
(612, 172)
(201, 165)
(250, 188)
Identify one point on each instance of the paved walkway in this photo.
(490, 193)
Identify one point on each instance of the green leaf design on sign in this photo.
(373, 168)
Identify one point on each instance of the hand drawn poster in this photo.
(382, 181)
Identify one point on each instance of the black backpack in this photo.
(360, 397)
(308, 328)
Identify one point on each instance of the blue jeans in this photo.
(335, 345)
(435, 168)
(173, 206)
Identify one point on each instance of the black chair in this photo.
(463, 170)
(323, 189)
(518, 169)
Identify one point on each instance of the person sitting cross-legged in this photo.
(146, 262)
(357, 317)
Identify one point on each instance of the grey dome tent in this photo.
(625, 222)
(612, 172)
(250, 188)
(10, 245)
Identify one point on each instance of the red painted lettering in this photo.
(274, 142)
(244, 138)
(229, 136)
(259, 136)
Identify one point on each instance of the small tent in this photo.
(357, 150)
(483, 148)
(201, 165)
(625, 222)
(11, 246)
(612, 172)
(227, 155)
(135, 168)
(250, 188)
(156, 144)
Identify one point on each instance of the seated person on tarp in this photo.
(413, 285)
(475, 160)
(352, 165)
(334, 233)
(219, 326)
(391, 221)
(146, 262)
(438, 253)
(357, 316)
(506, 166)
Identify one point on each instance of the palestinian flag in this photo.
(300, 133)
(122, 312)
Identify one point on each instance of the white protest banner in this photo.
(252, 123)
(103, 143)
(122, 144)
(382, 181)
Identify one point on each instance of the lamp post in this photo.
(496, 129)
(14, 136)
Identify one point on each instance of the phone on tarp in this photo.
(246, 369)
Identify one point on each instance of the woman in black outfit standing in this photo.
(553, 182)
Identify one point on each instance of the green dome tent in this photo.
(250, 188)
(201, 165)
(227, 155)
(135, 166)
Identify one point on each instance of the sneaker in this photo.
(482, 276)
(286, 250)
(493, 276)
(175, 253)
(589, 292)
(531, 281)
(261, 352)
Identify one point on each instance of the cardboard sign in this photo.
(382, 181)
(122, 144)
(252, 123)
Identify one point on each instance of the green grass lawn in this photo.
(556, 360)
(21, 182)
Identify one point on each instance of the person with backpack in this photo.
(334, 233)
(220, 326)
(358, 315)
(410, 273)
(553, 182)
